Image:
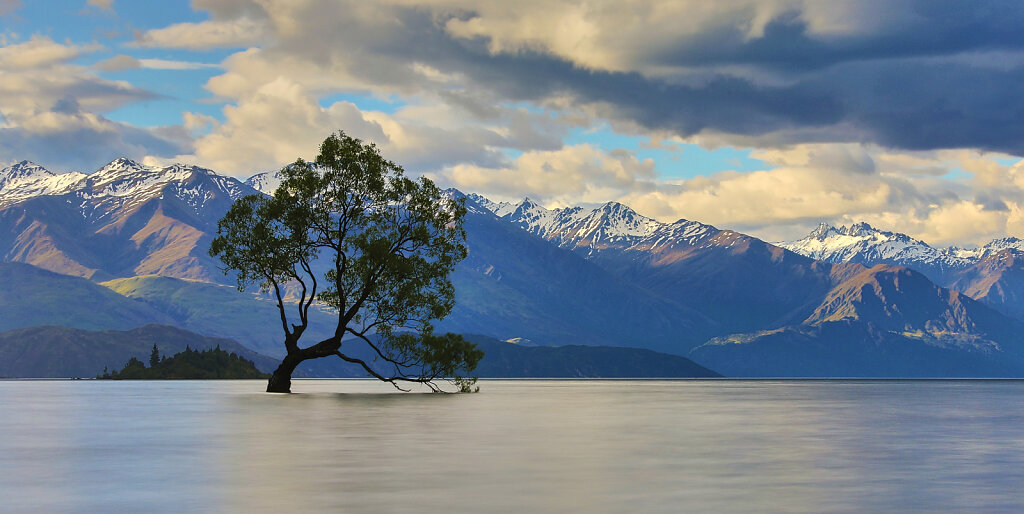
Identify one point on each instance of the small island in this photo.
(189, 364)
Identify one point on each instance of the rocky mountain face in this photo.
(123, 220)
(514, 284)
(606, 276)
(735, 280)
(989, 273)
(886, 321)
(997, 280)
(863, 244)
(265, 182)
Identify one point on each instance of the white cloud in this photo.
(127, 62)
(52, 110)
(283, 120)
(574, 174)
(162, 64)
(846, 183)
(119, 63)
(206, 35)
(462, 71)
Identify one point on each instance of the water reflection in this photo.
(519, 445)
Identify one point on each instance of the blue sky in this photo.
(766, 117)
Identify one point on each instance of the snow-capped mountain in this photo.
(605, 276)
(593, 230)
(27, 179)
(734, 279)
(991, 248)
(122, 183)
(864, 244)
(265, 182)
(124, 219)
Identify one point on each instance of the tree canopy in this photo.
(352, 232)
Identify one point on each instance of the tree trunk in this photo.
(281, 380)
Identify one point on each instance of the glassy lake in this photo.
(517, 446)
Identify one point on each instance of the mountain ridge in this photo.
(605, 276)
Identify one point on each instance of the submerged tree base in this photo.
(281, 380)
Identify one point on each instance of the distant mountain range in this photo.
(850, 301)
(122, 220)
(992, 273)
(61, 352)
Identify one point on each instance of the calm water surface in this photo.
(518, 446)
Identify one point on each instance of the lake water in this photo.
(517, 446)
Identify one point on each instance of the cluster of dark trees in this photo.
(189, 364)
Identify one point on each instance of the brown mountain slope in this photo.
(886, 321)
(997, 280)
(94, 233)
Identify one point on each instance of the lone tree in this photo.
(350, 230)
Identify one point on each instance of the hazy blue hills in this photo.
(62, 352)
(996, 280)
(992, 273)
(603, 277)
(853, 349)
(505, 360)
(31, 296)
(886, 321)
(514, 284)
(218, 310)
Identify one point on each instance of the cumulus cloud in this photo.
(913, 74)
(127, 62)
(568, 176)
(860, 107)
(119, 63)
(206, 35)
(282, 121)
(52, 110)
(848, 183)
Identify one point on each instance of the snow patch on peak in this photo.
(497, 208)
(861, 229)
(26, 180)
(612, 224)
(864, 244)
(822, 231)
(124, 182)
(266, 182)
(23, 170)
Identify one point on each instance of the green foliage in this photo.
(189, 364)
(351, 231)
(154, 356)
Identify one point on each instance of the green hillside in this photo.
(218, 311)
(32, 296)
